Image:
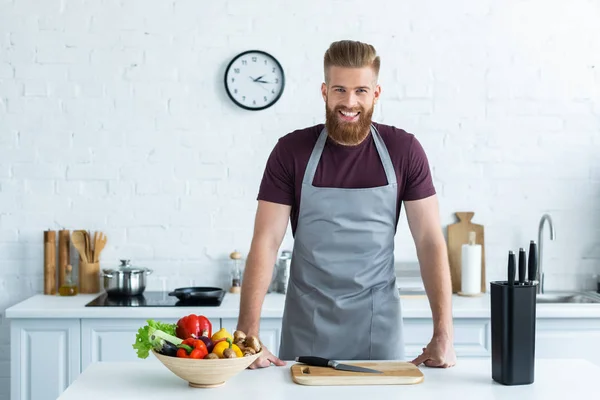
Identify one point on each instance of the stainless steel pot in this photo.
(125, 280)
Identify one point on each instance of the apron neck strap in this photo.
(315, 156)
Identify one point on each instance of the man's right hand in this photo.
(265, 360)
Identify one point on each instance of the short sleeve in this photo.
(419, 182)
(277, 183)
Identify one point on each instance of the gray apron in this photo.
(342, 301)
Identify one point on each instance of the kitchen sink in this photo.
(567, 297)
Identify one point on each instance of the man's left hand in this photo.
(439, 353)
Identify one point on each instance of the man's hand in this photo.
(266, 359)
(438, 353)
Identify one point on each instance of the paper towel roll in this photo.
(471, 268)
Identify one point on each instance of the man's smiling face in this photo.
(350, 95)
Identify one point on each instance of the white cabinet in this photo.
(48, 354)
(269, 333)
(109, 340)
(471, 336)
(568, 338)
(45, 357)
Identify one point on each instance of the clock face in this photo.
(254, 80)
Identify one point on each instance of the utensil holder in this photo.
(513, 319)
(89, 277)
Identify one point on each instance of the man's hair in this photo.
(351, 54)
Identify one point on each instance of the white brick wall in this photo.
(113, 117)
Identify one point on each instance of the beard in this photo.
(348, 133)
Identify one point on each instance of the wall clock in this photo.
(254, 80)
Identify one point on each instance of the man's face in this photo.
(350, 99)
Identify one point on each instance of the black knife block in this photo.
(513, 314)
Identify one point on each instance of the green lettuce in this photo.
(153, 335)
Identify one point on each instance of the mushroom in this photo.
(229, 353)
(253, 342)
(249, 351)
(238, 336)
(211, 356)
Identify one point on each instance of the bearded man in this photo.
(341, 185)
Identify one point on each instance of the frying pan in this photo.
(198, 293)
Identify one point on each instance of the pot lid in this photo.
(126, 267)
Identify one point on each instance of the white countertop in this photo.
(469, 379)
(50, 306)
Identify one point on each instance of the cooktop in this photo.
(153, 299)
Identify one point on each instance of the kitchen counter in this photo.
(469, 379)
(76, 337)
(46, 306)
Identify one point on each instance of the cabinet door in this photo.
(112, 339)
(471, 336)
(568, 338)
(270, 331)
(45, 357)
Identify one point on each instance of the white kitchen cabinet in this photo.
(112, 339)
(47, 354)
(109, 340)
(270, 331)
(568, 338)
(45, 357)
(471, 336)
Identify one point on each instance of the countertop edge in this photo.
(42, 306)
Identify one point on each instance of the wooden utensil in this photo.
(393, 373)
(95, 242)
(88, 246)
(99, 243)
(78, 239)
(458, 234)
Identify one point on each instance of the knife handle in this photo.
(511, 268)
(522, 266)
(532, 267)
(314, 361)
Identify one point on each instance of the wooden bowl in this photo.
(206, 373)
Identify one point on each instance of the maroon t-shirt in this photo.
(345, 167)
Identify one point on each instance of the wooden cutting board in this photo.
(458, 234)
(394, 373)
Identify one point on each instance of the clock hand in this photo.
(258, 79)
(261, 81)
(263, 87)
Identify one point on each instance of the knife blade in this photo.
(532, 267)
(522, 266)
(324, 362)
(511, 268)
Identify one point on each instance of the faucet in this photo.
(540, 272)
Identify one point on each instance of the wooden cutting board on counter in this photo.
(394, 373)
(458, 234)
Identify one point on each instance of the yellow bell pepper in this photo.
(238, 351)
(227, 344)
(221, 334)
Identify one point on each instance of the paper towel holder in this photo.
(471, 242)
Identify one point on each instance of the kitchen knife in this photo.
(532, 267)
(511, 268)
(522, 266)
(324, 362)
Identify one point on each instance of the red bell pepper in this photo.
(192, 348)
(193, 326)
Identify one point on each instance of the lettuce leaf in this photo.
(144, 343)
